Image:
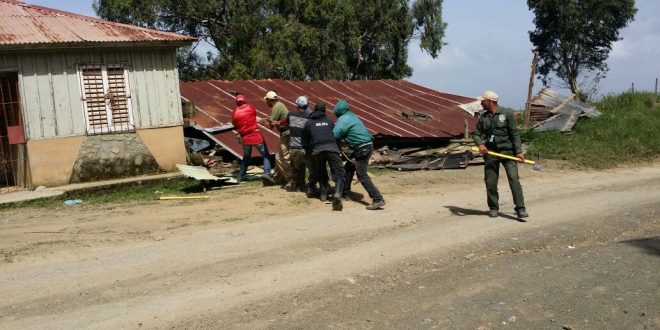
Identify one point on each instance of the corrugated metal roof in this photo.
(381, 104)
(25, 24)
(197, 172)
(563, 111)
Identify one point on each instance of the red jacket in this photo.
(244, 119)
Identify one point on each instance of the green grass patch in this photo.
(378, 171)
(121, 194)
(627, 132)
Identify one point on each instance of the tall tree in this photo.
(291, 39)
(575, 37)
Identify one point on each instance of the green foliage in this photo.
(575, 37)
(292, 39)
(627, 132)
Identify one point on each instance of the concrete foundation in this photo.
(166, 145)
(55, 162)
(109, 156)
(51, 161)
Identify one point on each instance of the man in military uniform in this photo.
(496, 131)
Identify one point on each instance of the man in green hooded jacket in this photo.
(352, 131)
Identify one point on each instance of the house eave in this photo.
(94, 45)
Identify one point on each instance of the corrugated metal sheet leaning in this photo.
(559, 112)
(390, 109)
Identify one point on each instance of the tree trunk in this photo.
(575, 89)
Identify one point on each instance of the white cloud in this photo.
(620, 50)
(451, 58)
(635, 58)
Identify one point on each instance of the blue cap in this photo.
(302, 101)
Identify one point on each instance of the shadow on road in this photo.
(357, 197)
(650, 245)
(459, 211)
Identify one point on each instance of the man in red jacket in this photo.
(244, 118)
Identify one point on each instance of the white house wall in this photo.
(51, 95)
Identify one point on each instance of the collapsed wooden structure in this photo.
(553, 111)
(457, 155)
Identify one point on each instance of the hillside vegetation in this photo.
(627, 132)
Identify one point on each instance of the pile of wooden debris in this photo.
(202, 153)
(457, 155)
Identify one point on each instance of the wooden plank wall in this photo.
(51, 96)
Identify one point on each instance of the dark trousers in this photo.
(360, 162)
(331, 158)
(491, 176)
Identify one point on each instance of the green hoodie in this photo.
(349, 127)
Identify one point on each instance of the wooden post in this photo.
(466, 133)
(528, 105)
(655, 95)
(632, 88)
(21, 179)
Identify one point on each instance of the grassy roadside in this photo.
(627, 132)
(132, 193)
(122, 194)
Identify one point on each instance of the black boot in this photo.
(323, 191)
(336, 203)
(312, 191)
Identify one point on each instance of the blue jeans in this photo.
(247, 157)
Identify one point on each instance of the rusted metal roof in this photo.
(26, 24)
(562, 112)
(389, 108)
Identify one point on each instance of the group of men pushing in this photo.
(309, 140)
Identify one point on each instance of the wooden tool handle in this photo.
(496, 154)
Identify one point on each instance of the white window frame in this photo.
(111, 126)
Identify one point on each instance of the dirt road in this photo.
(252, 257)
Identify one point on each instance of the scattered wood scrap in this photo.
(454, 156)
(169, 198)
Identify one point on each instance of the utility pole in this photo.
(528, 105)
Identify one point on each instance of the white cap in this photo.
(302, 101)
(270, 96)
(489, 95)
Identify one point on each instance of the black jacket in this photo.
(317, 134)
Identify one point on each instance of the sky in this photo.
(488, 48)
